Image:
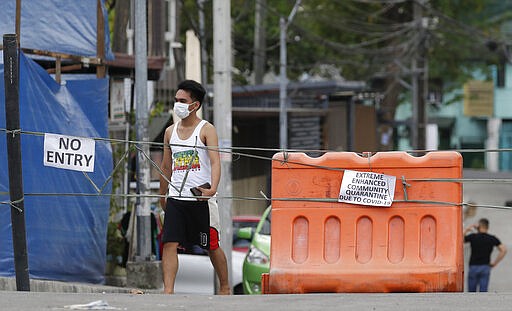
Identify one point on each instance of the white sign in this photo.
(117, 101)
(367, 188)
(69, 152)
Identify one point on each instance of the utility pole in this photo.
(419, 83)
(143, 271)
(283, 79)
(415, 104)
(204, 59)
(424, 81)
(13, 135)
(260, 44)
(222, 118)
(143, 178)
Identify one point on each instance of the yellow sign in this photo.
(479, 99)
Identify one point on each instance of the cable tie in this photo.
(469, 204)
(285, 157)
(263, 195)
(13, 132)
(12, 203)
(368, 155)
(405, 185)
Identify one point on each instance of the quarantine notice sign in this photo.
(367, 188)
(68, 152)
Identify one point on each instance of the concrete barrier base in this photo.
(144, 274)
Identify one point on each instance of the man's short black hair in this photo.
(484, 222)
(196, 90)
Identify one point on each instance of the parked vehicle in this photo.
(257, 259)
(243, 221)
(195, 272)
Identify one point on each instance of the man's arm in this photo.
(469, 229)
(503, 251)
(165, 166)
(212, 142)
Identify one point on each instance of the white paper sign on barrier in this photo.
(367, 188)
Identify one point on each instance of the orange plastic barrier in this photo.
(320, 245)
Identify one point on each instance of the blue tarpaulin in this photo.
(63, 26)
(66, 230)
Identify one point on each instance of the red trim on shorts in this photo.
(214, 239)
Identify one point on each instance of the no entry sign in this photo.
(69, 152)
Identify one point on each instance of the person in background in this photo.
(191, 162)
(482, 245)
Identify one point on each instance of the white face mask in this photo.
(181, 110)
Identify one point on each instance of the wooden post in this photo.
(58, 69)
(12, 121)
(100, 41)
(18, 21)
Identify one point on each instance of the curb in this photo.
(9, 284)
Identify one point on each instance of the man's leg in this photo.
(484, 278)
(169, 266)
(472, 279)
(219, 262)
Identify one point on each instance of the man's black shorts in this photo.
(188, 223)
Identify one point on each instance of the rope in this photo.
(263, 197)
(229, 149)
(234, 151)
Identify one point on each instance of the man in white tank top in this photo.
(191, 162)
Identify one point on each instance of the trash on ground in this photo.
(95, 305)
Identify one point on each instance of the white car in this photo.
(196, 274)
(195, 271)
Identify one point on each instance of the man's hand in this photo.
(470, 228)
(163, 202)
(205, 192)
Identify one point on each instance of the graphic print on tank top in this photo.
(183, 159)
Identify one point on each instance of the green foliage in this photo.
(478, 163)
(158, 109)
(109, 5)
(115, 241)
(364, 38)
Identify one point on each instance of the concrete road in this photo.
(21, 301)
(499, 220)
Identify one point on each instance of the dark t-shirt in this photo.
(482, 245)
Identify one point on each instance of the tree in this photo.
(368, 39)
